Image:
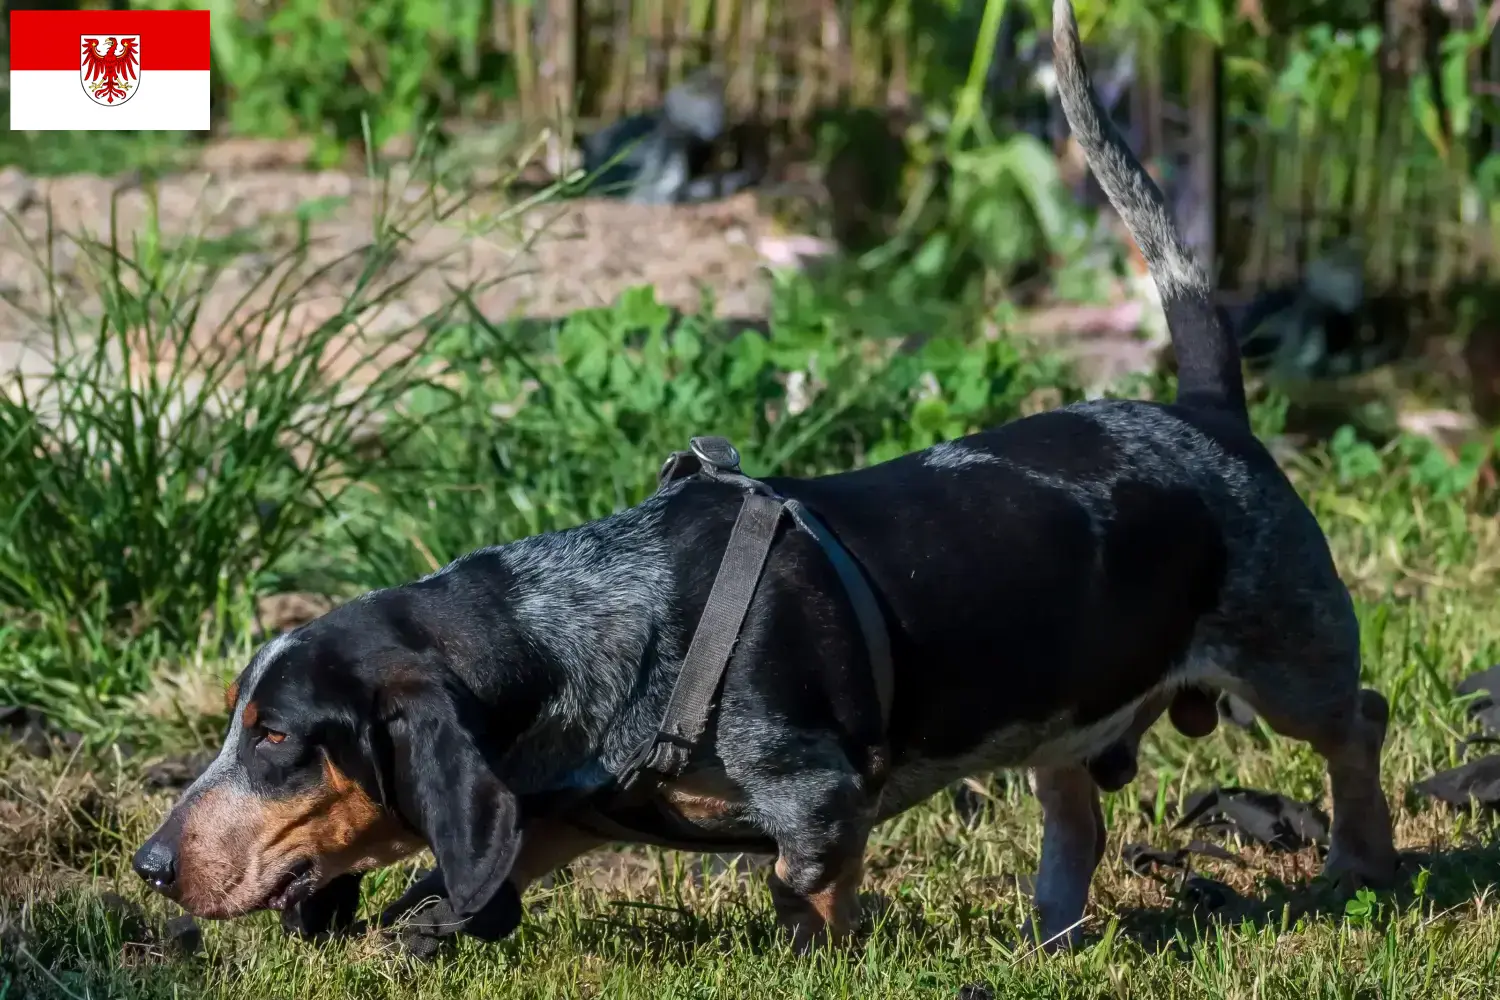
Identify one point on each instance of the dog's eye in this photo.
(272, 736)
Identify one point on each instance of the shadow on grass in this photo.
(678, 935)
(1454, 877)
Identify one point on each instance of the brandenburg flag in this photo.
(97, 70)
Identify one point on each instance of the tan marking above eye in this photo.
(250, 715)
(272, 736)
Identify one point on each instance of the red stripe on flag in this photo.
(53, 39)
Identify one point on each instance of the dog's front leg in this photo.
(425, 891)
(817, 896)
(822, 826)
(1072, 845)
(425, 918)
(329, 911)
(422, 921)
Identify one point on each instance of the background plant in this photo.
(166, 461)
(527, 433)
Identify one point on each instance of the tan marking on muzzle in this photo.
(236, 847)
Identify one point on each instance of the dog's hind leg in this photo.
(1072, 846)
(1346, 725)
(1363, 846)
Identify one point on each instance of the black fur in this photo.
(331, 910)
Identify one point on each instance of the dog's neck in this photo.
(587, 612)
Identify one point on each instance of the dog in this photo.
(1048, 588)
(670, 156)
(1325, 326)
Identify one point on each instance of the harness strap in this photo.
(686, 716)
(866, 609)
(718, 630)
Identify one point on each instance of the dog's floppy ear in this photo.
(445, 787)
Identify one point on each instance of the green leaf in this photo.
(930, 415)
(1211, 20)
(638, 309)
(933, 257)
(687, 342)
(750, 354)
(1426, 112)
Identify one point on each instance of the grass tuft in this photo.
(198, 421)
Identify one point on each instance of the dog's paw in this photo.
(328, 911)
(500, 916)
(420, 945)
(1370, 862)
(1346, 875)
(425, 932)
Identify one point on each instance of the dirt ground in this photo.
(542, 261)
(246, 204)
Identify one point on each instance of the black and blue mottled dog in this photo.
(670, 156)
(1049, 588)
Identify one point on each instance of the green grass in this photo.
(944, 900)
(139, 529)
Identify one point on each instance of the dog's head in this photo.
(351, 744)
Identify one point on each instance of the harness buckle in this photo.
(665, 756)
(710, 456)
(716, 453)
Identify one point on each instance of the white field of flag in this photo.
(131, 70)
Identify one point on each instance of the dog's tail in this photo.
(1208, 359)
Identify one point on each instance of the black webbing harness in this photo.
(666, 754)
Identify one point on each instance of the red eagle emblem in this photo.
(111, 67)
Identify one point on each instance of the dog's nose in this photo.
(157, 864)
